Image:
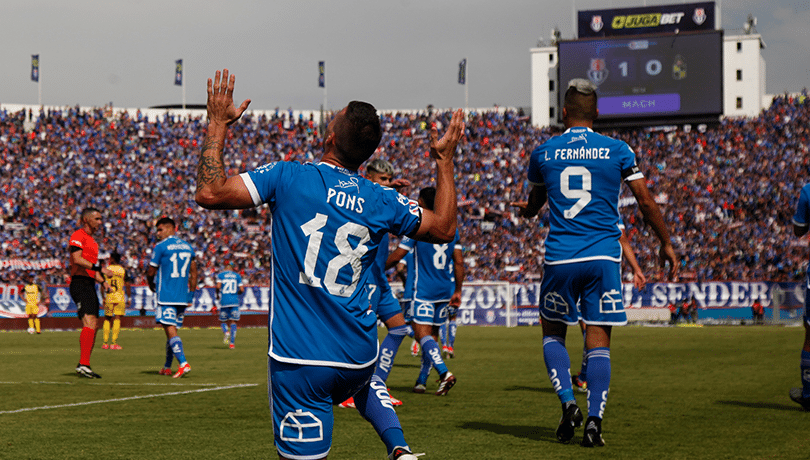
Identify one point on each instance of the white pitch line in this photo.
(28, 409)
(113, 384)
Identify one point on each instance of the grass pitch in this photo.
(676, 393)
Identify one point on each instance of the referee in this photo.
(84, 273)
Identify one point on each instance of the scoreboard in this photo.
(670, 76)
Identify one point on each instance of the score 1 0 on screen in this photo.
(666, 74)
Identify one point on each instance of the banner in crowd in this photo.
(483, 303)
(29, 264)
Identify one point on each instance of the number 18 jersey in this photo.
(582, 172)
(327, 225)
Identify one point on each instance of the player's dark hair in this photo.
(580, 106)
(358, 133)
(166, 221)
(116, 257)
(87, 211)
(428, 196)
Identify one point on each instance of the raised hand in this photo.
(220, 99)
(444, 148)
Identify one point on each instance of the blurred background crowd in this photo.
(727, 192)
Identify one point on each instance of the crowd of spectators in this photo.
(727, 191)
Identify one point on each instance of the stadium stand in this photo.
(728, 191)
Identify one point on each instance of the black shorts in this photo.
(83, 292)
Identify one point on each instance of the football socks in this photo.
(177, 349)
(374, 405)
(233, 333)
(558, 366)
(388, 350)
(598, 380)
(431, 352)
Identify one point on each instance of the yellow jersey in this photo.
(31, 294)
(116, 282)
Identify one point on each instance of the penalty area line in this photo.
(87, 403)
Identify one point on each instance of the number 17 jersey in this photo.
(582, 172)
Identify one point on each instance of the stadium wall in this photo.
(483, 303)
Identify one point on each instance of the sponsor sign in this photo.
(646, 20)
(484, 303)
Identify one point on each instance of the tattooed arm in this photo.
(214, 189)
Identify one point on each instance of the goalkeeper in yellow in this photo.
(33, 295)
(114, 301)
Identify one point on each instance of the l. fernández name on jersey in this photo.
(582, 172)
(327, 225)
(172, 257)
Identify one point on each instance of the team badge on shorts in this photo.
(555, 302)
(611, 302)
(300, 426)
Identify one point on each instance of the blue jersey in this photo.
(582, 172)
(172, 257)
(802, 216)
(229, 283)
(327, 225)
(432, 270)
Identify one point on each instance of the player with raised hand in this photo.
(580, 173)
(327, 225)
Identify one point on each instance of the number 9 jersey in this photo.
(327, 225)
(582, 172)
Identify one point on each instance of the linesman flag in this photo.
(178, 72)
(462, 72)
(321, 74)
(35, 67)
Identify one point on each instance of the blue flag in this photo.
(321, 74)
(35, 67)
(178, 72)
(462, 72)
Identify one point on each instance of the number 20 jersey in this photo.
(582, 172)
(327, 225)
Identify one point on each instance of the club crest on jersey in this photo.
(598, 72)
(596, 23)
(699, 16)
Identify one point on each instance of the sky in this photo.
(395, 54)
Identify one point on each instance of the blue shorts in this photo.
(383, 301)
(433, 313)
(596, 285)
(407, 309)
(170, 315)
(301, 400)
(229, 314)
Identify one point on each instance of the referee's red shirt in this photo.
(82, 239)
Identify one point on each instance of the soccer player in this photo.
(176, 268)
(33, 295)
(229, 288)
(580, 173)
(580, 380)
(327, 225)
(438, 273)
(115, 301)
(381, 298)
(801, 223)
(404, 267)
(85, 272)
